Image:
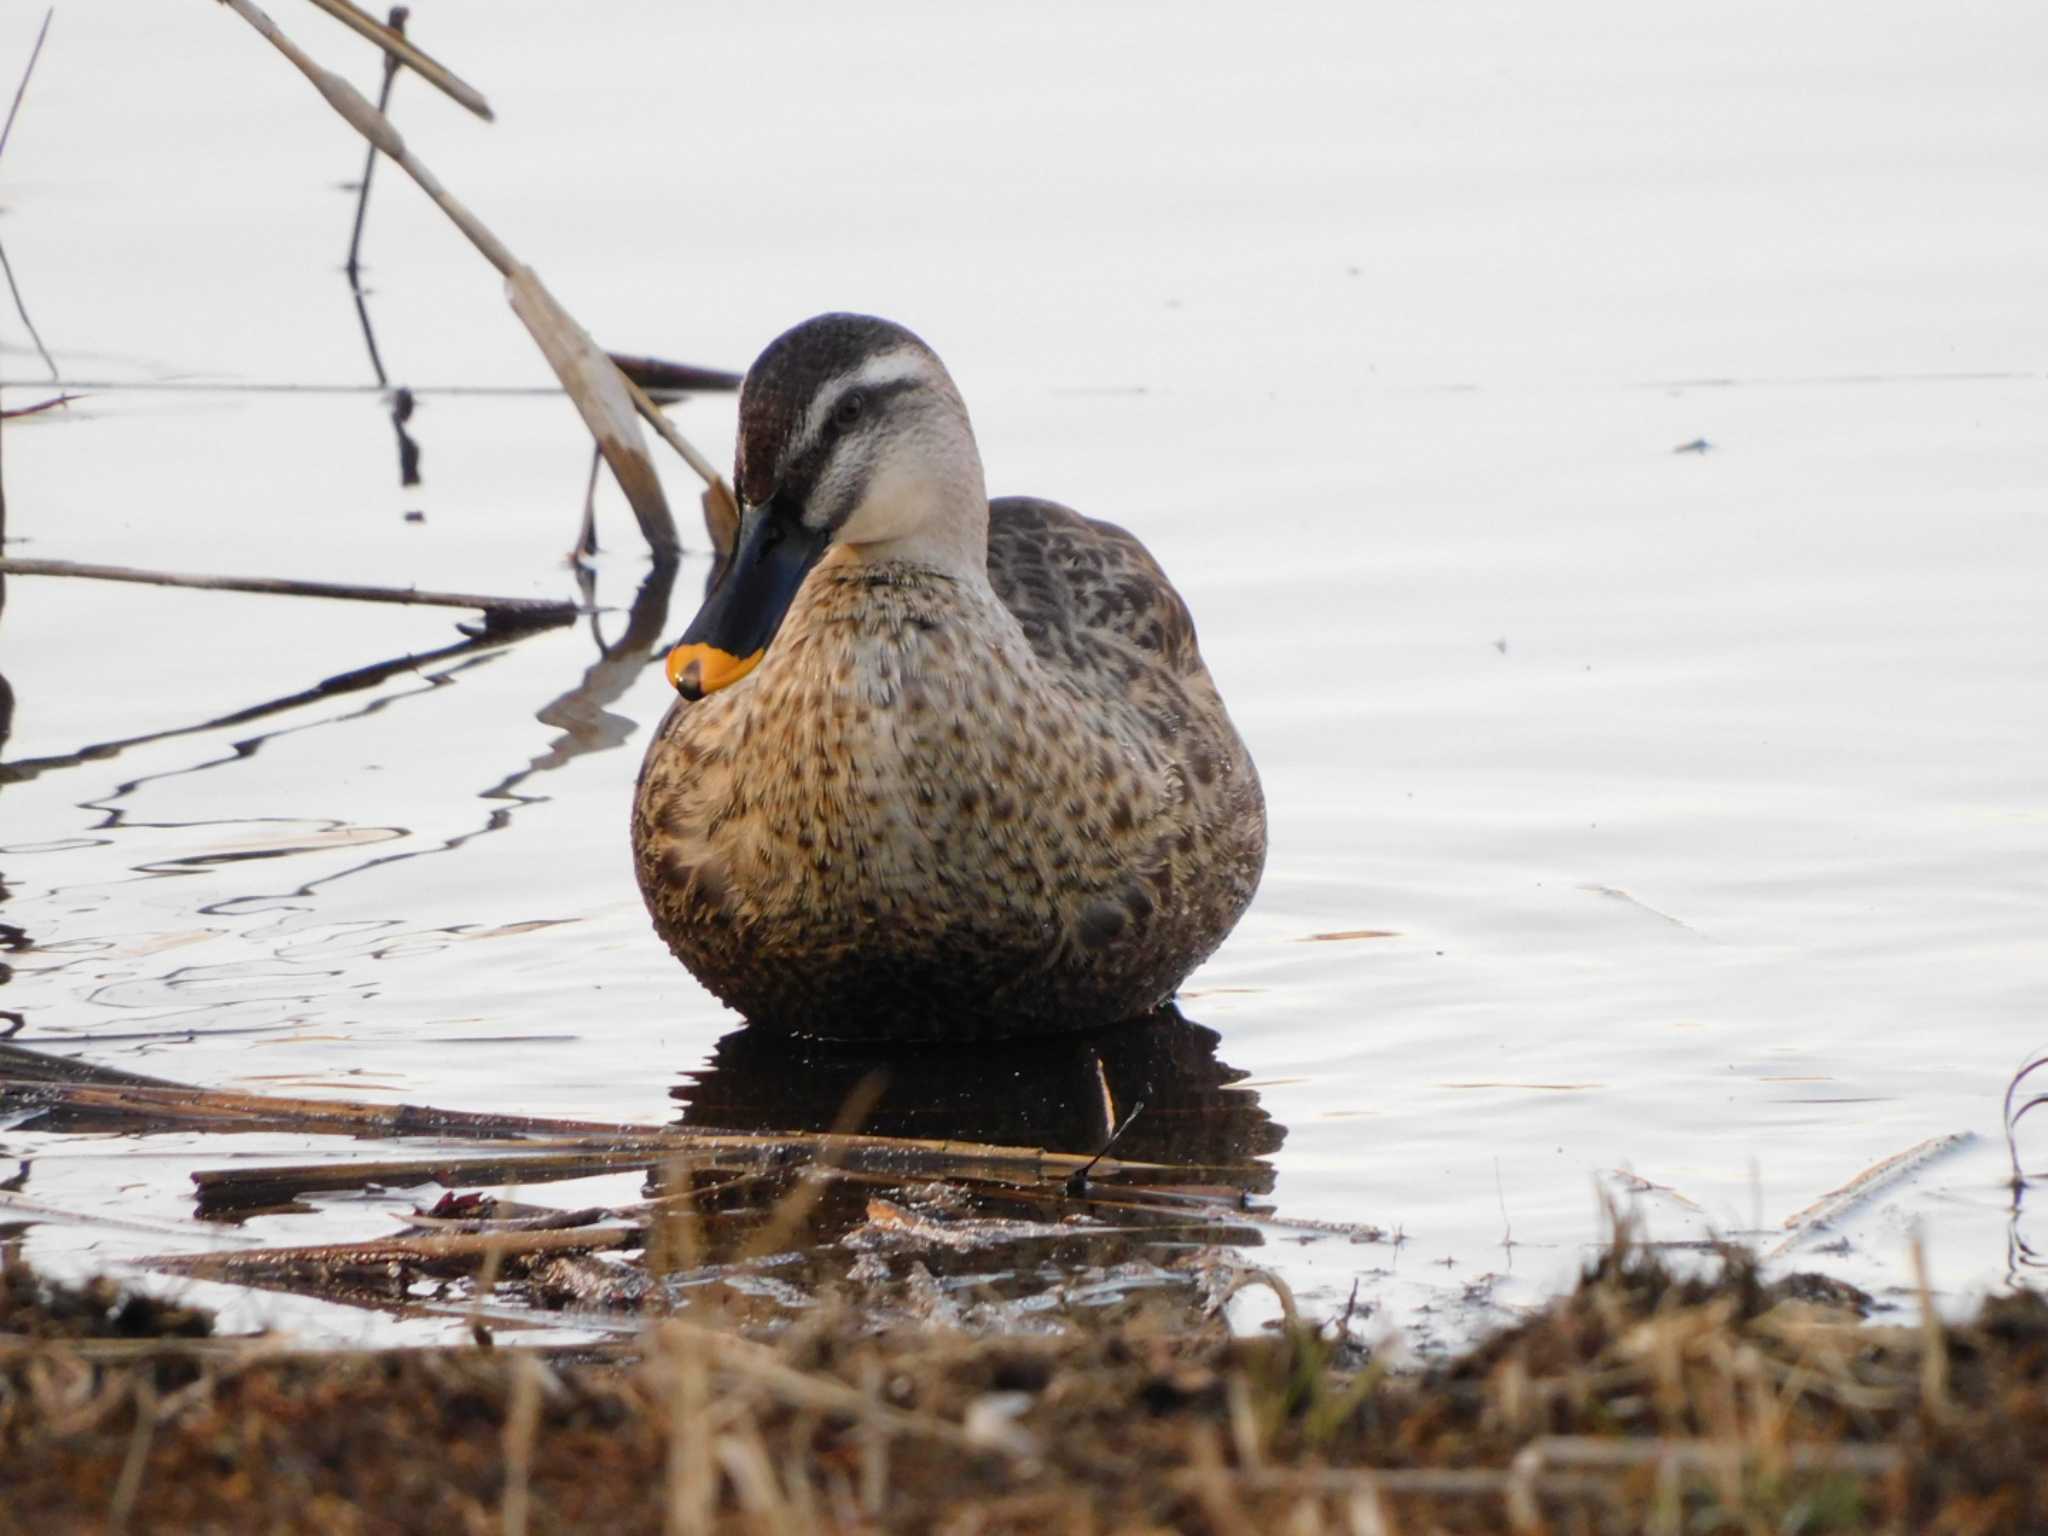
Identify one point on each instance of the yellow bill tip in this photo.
(695, 670)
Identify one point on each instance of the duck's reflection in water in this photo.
(1061, 1093)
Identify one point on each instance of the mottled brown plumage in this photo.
(944, 806)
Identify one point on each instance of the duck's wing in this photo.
(1089, 596)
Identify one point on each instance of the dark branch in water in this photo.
(586, 536)
(355, 239)
(501, 614)
(402, 400)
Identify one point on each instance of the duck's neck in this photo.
(929, 509)
(957, 550)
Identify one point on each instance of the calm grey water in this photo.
(1651, 824)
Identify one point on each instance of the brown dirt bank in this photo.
(1640, 1402)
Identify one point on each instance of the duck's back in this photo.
(1103, 619)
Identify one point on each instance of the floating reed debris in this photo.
(1825, 1212)
(502, 615)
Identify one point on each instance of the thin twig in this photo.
(394, 42)
(1078, 1184)
(22, 89)
(13, 288)
(21, 309)
(355, 239)
(601, 393)
(499, 612)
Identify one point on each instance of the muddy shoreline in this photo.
(1640, 1401)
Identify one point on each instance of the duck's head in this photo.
(853, 444)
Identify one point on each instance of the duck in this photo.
(939, 767)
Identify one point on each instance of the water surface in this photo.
(1603, 457)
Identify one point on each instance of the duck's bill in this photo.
(731, 632)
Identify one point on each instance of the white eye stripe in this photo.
(903, 365)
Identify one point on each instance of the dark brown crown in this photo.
(787, 376)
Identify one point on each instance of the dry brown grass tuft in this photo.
(1643, 1401)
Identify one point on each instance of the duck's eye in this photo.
(847, 413)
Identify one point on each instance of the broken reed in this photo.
(607, 400)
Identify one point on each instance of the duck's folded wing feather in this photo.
(1087, 593)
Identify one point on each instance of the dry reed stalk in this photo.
(792, 1208)
(1933, 1342)
(1247, 1436)
(1213, 1486)
(399, 47)
(675, 1239)
(692, 1479)
(591, 378)
(719, 504)
(744, 1460)
(755, 1365)
(522, 1420)
(500, 613)
(874, 1445)
(128, 1486)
